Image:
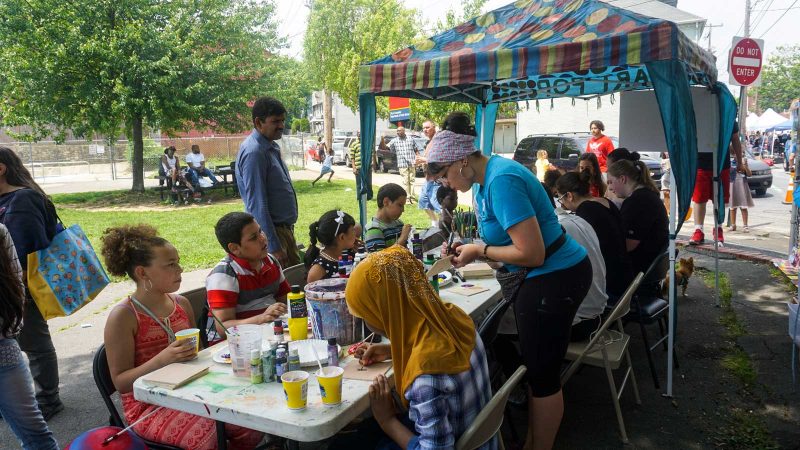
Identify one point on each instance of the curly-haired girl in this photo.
(140, 337)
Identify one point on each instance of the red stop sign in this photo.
(745, 63)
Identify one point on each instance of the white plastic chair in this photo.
(489, 420)
(606, 348)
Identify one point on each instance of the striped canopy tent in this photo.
(540, 49)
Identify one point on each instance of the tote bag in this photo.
(66, 275)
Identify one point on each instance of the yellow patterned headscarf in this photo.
(389, 290)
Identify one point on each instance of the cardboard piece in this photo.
(477, 270)
(175, 375)
(369, 373)
(440, 266)
(467, 289)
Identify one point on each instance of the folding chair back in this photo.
(489, 420)
(296, 275)
(487, 329)
(198, 299)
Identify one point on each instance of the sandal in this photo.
(746, 229)
(732, 228)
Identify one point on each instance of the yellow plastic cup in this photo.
(330, 385)
(295, 388)
(190, 333)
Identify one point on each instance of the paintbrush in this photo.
(216, 319)
(356, 347)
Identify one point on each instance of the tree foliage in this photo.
(105, 66)
(780, 79)
(343, 34)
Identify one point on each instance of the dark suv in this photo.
(564, 150)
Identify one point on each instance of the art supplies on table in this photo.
(440, 266)
(329, 314)
(175, 375)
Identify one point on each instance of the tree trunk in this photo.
(327, 117)
(138, 155)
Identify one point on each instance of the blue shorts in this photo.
(326, 169)
(427, 199)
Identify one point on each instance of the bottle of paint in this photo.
(256, 371)
(428, 263)
(298, 314)
(343, 272)
(277, 328)
(280, 362)
(416, 246)
(333, 352)
(268, 364)
(293, 363)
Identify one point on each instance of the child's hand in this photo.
(381, 401)
(178, 351)
(274, 311)
(371, 354)
(406, 231)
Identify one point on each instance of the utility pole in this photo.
(743, 89)
(710, 27)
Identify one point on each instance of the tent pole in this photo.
(716, 204)
(673, 221)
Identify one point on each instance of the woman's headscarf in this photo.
(447, 146)
(389, 289)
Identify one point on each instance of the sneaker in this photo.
(719, 237)
(48, 411)
(697, 237)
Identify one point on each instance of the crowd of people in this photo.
(559, 270)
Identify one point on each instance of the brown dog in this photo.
(683, 272)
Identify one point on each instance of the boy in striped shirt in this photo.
(247, 286)
(386, 229)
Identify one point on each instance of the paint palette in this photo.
(445, 278)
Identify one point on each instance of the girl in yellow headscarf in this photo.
(438, 359)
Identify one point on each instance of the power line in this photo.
(760, 17)
(779, 18)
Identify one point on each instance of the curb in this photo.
(727, 252)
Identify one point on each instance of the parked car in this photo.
(341, 148)
(761, 178)
(386, 159)
(564, 150)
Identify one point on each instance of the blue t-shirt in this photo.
(511, 194)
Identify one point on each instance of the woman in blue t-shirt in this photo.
(520, 229)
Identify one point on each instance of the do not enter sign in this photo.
(745, 61)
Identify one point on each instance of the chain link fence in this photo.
(97, 160)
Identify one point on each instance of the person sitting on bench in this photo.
(197, 167)
(171, 166)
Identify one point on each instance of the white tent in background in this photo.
(767, 120)
(752, 121)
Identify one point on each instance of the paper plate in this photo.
(223, 356)
(445, 278)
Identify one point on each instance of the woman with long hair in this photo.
(31, 220)
(574, 194)
(518, 224)
(588, 163)
(644, 218)
(17, 400)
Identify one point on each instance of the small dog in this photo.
(683, 272)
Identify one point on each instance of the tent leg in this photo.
(673, 222)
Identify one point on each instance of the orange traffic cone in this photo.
(789, 197)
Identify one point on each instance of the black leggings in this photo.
(545, 307)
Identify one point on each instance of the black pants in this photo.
(545, 307)
(36, 342)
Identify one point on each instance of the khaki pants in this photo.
(409, 175)
(288, 244)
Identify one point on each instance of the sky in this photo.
(775, 21)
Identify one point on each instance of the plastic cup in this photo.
(242, 339)
(295, 388)
(190, 333)
(330, 385)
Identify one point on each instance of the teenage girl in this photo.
(336, 231)
(140, 337)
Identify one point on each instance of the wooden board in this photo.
(477, 270)
(369, 373)
(440, 266)
(467, 289)
(175, 375)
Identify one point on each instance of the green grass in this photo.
(740, 365)
(191, 228)
(745, 430)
